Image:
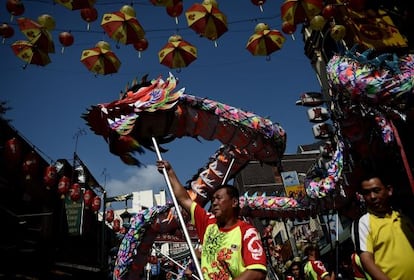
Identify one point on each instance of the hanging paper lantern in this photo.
(47, 21)
(140, 46)
(30, 165)
(317, 23)
(66, 39)
(6, 31)
(329, 11)
(63, 186)
(15, 8)
(75, 192)
(87, 198)
(128, 10)
(89, 15)
(109, 217)
(116, 225)
(259, 3)
(96, 203)
(338, 32)
(50, 176)
(175, 10)
(289, 28)
(13, 152)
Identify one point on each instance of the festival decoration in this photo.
(47, 21)
(30, 53)
(37, 35)
(100, 59)
(15, 8)
(298, 11)
(317, 23)
(88, 198)
(338, 32)
(63, 186)
(265, 41)
(89, 15)
(175, 10)
(177, 53)
(75, 192)
(66, 39)
(76, 4)
(116, 226)
(50, 176)
(385, 79)
(30, 165)
(289, 29)
(6, 31)
(186, 115)
(141, 45)
(109, 216)
(259, 3)
(207, 20)
(13, 152)
(96, 203)
(123, 27)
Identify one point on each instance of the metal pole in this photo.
(228, 171)
(171, 259)
(180, 216)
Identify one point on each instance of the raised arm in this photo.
(180, 192)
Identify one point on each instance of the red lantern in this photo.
(63, 186)
(175, 10)
(30, 165)
(15, 8)
(87, 198)
(6, 31)
(66, 39)
(259, 3)
(96, 203)
(110, 215)
(89, 15)
(140, 46)
(329, 11)
(13, 152)
(116, 225)
(50, 176)
(288, 28)
(75, 192)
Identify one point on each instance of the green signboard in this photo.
(74, 215)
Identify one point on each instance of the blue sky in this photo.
(47, 102)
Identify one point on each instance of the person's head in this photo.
(376, 191)
(311, 252)
(295, 269)
(225, 202)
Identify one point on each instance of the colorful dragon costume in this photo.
(152, 109)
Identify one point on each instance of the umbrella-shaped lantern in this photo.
(76, 4)
(100, 59)
(122, 26)
(177, 53)
(265, 41)
(37, 35)
(207, 20)
(298, 11)
(30, 53)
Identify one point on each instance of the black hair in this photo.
(232, 191)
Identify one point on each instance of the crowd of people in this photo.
(382, 238)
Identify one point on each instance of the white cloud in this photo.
(136, 179)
